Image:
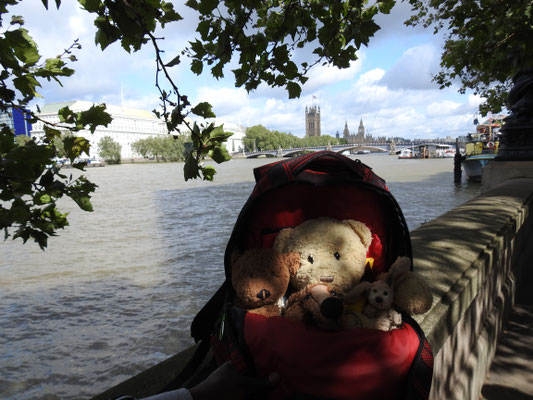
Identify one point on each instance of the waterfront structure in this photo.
(312, 120)
(358, 138)
(235, 143)
(128, 126)
(15, 119)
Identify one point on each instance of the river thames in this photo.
(116, 290)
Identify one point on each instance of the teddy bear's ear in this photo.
(399, 267)
(282, 240)
(293, 261)
(361, 230)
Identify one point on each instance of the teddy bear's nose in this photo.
(332, 308)
(263, 294)
(379, 299)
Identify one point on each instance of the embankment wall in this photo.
(477, 259)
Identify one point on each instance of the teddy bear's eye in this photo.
(310, 259)
(374, 290)
(337, 255)
(386, 293)
(333, 293)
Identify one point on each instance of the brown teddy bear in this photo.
(317, 305)
(260, 278)
(412, 295)
(332, 253)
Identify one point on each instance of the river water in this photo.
(116, 291)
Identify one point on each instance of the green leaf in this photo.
(203, 110)
(83, 201)
(207, 6)
(219, 154)
(43, 199)
(17, 20)
(208, 173)
(90, 5)
(294, 90)
(23, 45)
(75, 146)
(174, 61)
(197, 67)
(191, 167)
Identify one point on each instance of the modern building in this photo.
(15, 119)
(312, 120)
(128, 125)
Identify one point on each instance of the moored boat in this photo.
(481, 147)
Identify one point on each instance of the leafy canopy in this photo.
(487, 43)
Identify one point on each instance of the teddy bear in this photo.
(317, 305)
(412, 295)
(260, 278)
(331, 253)
(378, 309)
(398, 290)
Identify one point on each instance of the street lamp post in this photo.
(516, 139)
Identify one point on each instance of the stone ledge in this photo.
(496, 172)
(470, 257)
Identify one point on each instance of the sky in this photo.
(389, 87)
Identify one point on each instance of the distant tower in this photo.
(360, 137)
(346, 132)
(312, 120)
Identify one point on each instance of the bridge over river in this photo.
(354, 148)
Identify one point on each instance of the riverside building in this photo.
(15, 119)
(128, 126)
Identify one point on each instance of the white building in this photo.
(128, 125)
(235, 143)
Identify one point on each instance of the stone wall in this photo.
(473, 257)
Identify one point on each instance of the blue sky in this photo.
(389, 87)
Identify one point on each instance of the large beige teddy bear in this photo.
(331, 251)
(332, 255)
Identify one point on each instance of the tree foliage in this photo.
(161, 148)
(487, 43)
(260, 138)
(109, 150)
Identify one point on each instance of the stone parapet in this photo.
(472, 257)
(497, 172)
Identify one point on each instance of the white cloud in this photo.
(322, 75)
(444, 107)
(224, 100)
(414, 69)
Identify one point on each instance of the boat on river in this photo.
(481, 147)
(427, 150)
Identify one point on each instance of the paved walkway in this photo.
(511, 373)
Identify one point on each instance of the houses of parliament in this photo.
(312, 127)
